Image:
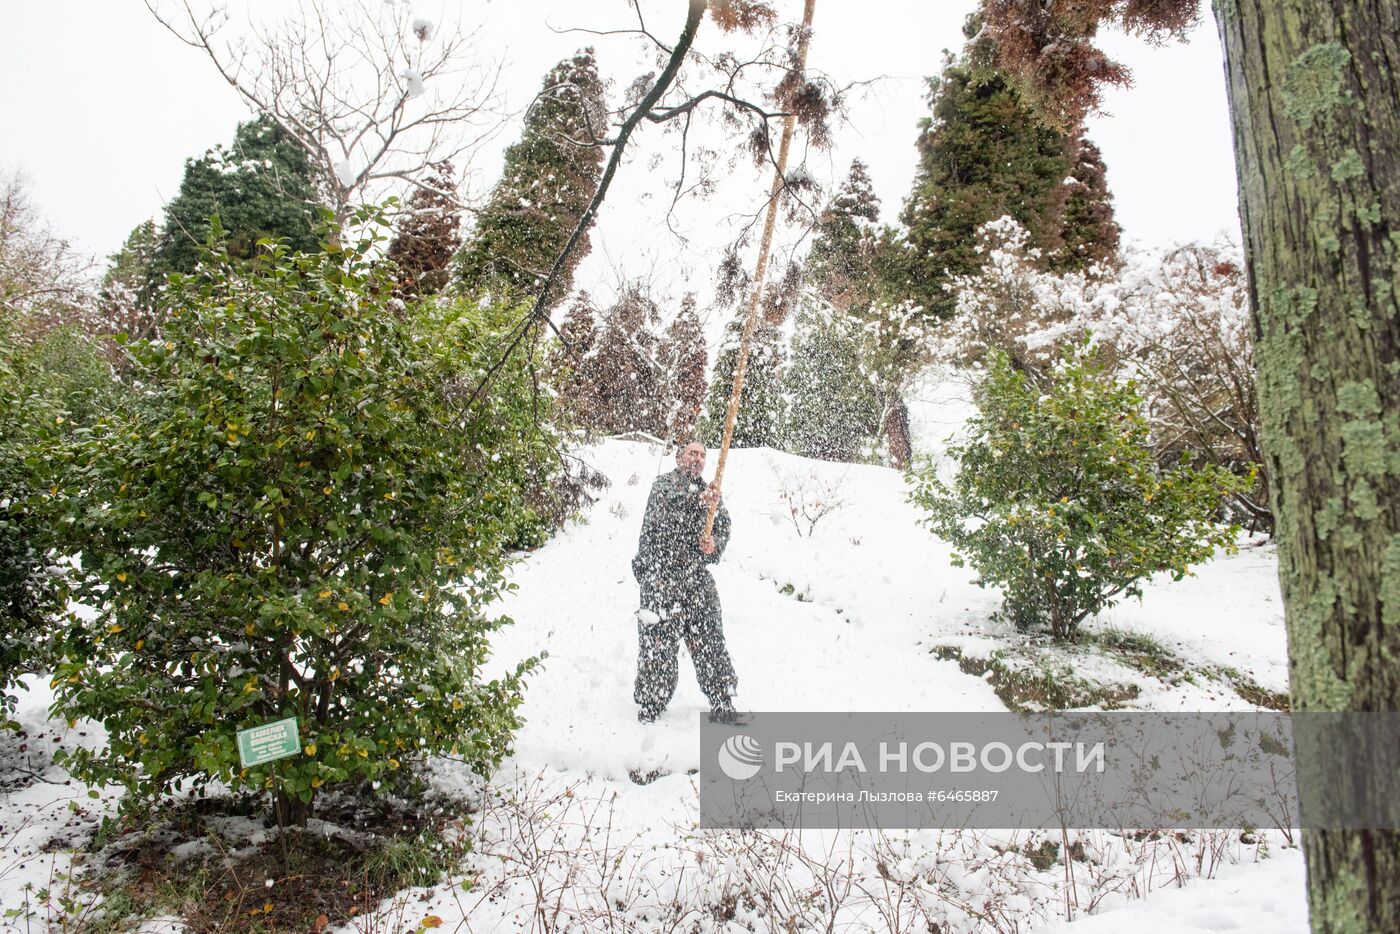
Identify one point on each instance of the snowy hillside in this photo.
(845, 618)
(592, 823)
(870, 593)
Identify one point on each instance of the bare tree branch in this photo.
(368, 97)
(42, 276)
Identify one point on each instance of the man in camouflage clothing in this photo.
(679, 599)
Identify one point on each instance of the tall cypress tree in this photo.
(550, 175)
(681, 360)
(760, 419)
(838, 353)
(984, 153)
(261, 186)
(428, 234)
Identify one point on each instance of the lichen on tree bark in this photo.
(1315, 101)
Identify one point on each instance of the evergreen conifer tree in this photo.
(832, 410)
(427, 235)
(1089, 234)
(127, 299)
(619, 378)
(681, 360)
(580, 326)
(982, 154)
(550, 176)
(845, 359)
(844, 256)
(566, 363)
(760, 419)
(985, 153)
(261, 186)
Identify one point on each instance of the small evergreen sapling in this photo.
(762, 411)
(620, 376)
(832, 410)
(1059, 499)
(427, 234)
(681, 360)
(130, 287)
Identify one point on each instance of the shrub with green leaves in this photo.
(50, 386)
(24, 589)
(1059, 500)
(294, 516)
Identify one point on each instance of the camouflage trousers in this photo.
(668, 615)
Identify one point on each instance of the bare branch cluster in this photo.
(807, 498)
(371, 95)
(556, 855)
(42, 276)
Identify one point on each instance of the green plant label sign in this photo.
(275, 740)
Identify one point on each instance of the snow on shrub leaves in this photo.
(1059, 499)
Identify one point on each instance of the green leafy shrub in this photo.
(1059, 499)
(50, 386)
(294, 516)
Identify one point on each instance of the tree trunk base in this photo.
(290, 811)
(896, 430)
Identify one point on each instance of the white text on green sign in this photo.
(275, 740)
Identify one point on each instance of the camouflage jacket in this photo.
(668, 552)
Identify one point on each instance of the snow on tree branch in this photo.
(369, 93)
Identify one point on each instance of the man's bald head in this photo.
(691, 459)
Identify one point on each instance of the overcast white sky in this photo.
(102, 107)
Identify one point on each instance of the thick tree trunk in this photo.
(1315, 98)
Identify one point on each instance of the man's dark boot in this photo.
(648, 714)
(726, 714)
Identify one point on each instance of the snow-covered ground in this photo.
(841, 615)
(44, 814)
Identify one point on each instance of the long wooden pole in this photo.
(741, 366)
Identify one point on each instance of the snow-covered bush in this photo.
(1183, 331)
(807, 498)
(1012, 306)
(1177, 323)
(294, 518)
(1059, 499)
